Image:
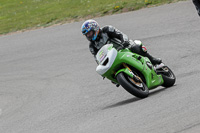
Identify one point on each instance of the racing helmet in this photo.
(90, 29)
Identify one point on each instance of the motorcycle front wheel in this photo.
(138, 89)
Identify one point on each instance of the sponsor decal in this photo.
(101, 56)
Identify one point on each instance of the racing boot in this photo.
(154, 61)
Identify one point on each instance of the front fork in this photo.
(130, 73)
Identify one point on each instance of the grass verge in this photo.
(17, 15)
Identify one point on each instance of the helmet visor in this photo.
(89, 35)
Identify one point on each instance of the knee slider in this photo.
(138, 42)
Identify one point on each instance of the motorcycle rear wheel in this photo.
(168, 77)
(137, 89)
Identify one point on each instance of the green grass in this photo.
(27, 14)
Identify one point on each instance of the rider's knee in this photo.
(137, 47)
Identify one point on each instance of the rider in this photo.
(108, 34)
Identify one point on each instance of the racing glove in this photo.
(125, 44)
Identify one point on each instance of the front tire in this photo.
(139, 90)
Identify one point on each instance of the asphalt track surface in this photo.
(48, 82)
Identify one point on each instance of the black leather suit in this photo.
(110, 34)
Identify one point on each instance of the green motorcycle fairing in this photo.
(142, 64)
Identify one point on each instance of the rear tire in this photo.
(168, 77)
(138, 91)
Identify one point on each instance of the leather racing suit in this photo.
(110, 34)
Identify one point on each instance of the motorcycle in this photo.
(133, 72)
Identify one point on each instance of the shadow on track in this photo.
(156, 91)
(121, 103)
(135, 99)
